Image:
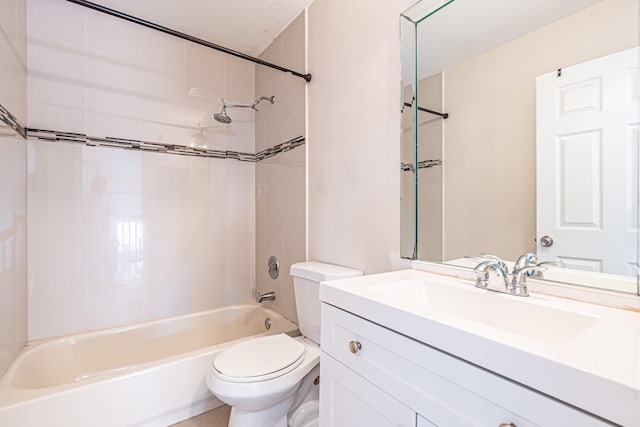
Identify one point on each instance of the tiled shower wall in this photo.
(280, 180)
(120, 236)
(13, 303)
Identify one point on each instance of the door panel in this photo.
(587, 162)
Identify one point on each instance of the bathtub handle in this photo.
(271, 295)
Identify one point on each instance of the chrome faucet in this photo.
(271, 295)
(488, 272)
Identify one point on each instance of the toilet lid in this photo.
(259, 358)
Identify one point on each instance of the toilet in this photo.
(272, 381)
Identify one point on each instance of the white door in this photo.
(347, 399)
(587, 162)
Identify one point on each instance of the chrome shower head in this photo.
(222, 116)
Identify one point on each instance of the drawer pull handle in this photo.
(354, 346)
(507, 425)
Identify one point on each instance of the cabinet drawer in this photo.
(445, 390)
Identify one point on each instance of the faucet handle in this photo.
(558, 263)
(483, 271)
(497, 259)
(543, 263)
(525, 260)
(519, 283)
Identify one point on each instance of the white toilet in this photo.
(271, 381)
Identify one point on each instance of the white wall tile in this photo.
(94, 74)
(12, 248)
(240, 199)
(120, 46)
(57, 281)
(13, 208)
(280, 180)
(239, 266)
(57, 65)
(55, 193)
(61, 23)
(56, 105)
(134, 236)
(13, 53)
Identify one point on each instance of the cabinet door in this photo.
(347, 399)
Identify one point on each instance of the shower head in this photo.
(223, 117)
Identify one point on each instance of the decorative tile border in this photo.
(423, 164)
(131, 144)
(159, 147)
(10, 120)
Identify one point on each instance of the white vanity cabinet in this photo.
(373, 376)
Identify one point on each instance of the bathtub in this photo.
(145, 374)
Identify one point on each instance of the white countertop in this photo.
(587, 356)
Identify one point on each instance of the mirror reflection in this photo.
(520, 135)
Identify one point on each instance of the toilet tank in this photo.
(306, 284)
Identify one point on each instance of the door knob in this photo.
(546, 240)
(354, 346)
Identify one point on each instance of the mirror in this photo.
(520, 134)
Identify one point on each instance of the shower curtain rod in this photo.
(426, 110)
(139, 21)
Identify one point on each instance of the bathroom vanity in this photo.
(414, 348)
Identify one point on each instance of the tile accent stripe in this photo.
(423, 164)
(10, 120)
(159, 147)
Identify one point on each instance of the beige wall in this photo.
(430, 190)
(491, 99)
(13, 281)
(408, 189)
(354, 133)
(280, 180)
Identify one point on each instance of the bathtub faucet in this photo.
(271, 295)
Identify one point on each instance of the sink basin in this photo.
(521, 316)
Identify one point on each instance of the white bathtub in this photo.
(146, 374)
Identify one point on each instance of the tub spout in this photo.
(271, 295)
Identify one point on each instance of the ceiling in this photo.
(248, 26)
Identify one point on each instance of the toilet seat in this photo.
(259, 359)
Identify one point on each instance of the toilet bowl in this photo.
(260, 378)
(272, 381)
